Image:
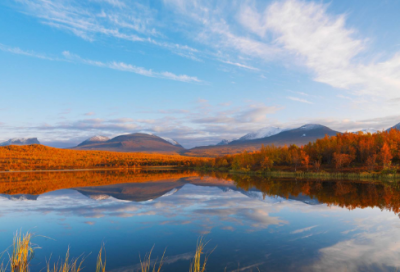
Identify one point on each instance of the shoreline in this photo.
(376, 176)
(90, 169)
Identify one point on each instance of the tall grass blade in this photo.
(145, 265)
(101, 265)
(75, 265)
(197, 265)
(22, 252)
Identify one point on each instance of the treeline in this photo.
(39, 157)
(345, 194)
(365, 151)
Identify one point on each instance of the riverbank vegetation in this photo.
(373, 155)
(39, 157)
(19, 260)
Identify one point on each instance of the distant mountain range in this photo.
(20, 141)
(299, 136)
(150, 143)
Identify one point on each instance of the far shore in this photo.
(161, 167)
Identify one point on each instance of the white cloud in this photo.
(323, 43)
(299, 99)
(293, 32)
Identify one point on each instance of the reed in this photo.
(145, 265)
(197, 265)
(22, 252)
(74, 265)
(101, 264)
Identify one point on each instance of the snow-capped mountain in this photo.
(262, 133)
(20, 141)
(94, 140)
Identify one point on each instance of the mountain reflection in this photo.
(144, 186)
(272, 224)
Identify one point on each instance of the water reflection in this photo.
(270, 224)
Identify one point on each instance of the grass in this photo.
(23, 253)
(197, 265)
(100, 264)
(145, 265)
(75, 265)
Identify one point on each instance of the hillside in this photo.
(136, 142)
(39, 157)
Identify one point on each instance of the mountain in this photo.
(137, 192)
(136, 142)
(19, 197)
(20, 141)
(299, 136)
(94, 140)
(261, 133)
(395, 127)
(224, 142)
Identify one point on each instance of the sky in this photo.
(197, 71)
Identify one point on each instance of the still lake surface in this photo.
(252, 222)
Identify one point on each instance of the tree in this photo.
(385, 155)
(371, 162)
(267, 163)
(305, 159)
(294, 153)
(317, 165)
(341, 159)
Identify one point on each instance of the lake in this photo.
(250, 223)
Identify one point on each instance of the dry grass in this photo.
(197, 265)
(146, 264)
(101, 264)
(74, 265)
(22, 252)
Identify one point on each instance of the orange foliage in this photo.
(39, 157)
(342, 150)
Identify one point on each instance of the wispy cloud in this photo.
(303, 230)
(130, 21)
(302, 100)
(121, 66)
(19, 51)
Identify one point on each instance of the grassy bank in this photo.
(381, 176)
(22, 252)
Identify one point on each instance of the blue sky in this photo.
(197, 71)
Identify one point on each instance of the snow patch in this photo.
(262, 133)
(310, 126)
(98, 138)
(173, 142)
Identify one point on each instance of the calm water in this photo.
(269, 224)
